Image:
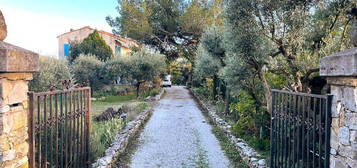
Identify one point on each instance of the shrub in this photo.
(51, 74)
(246, 111)
(113, 90)
(86, 70)
(251, 120)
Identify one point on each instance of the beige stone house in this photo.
(119, 45)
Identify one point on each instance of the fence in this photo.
(59, 125)
(300, 134)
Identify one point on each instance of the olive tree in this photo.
(87, 71)
(51, 75)
(144, 66)
(113, 69)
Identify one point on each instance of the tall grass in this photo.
(103, 134)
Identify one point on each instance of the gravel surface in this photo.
(178, 136)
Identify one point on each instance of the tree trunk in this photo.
(214, 89)
(189, 80)
(267, 91)
(137, 89)
(227, 101)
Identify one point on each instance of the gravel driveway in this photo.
(178, 136)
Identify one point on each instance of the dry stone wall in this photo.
(340, 71)
(16, 67)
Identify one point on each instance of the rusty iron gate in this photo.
(59, 125)
(300, 134)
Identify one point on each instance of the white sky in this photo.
(38, 32)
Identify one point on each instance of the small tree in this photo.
(51, 74)
(94, 44)
(143, 66)
(86, 70)
(113, 69)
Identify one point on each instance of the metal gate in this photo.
(59, 125)
(300, 134)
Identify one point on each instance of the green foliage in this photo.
(297, 33)
(205, 65)
(229, 148)
(172, 27)
(143, 66)
(94, 44)
(276, 81)
(259, 144)
(113, 90)
(114, 68)
(51, 74)
(210, 54)
(246, 112)
(249, 121)
(179, 70)
(86, 70)
(103, 134)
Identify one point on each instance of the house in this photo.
(119, 45)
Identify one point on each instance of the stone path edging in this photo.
(253, 158)
(121, 141)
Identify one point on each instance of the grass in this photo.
(200, 160)
(115, 102)
(103, 133)
(229, 148)
(262, 146)
(124, 159)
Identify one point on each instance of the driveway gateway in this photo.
(177, 135)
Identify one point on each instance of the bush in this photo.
(246, 111)
(251, 120)
(51, 74)
(113, 90)
(86, 70)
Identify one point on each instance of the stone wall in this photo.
(13, 119)
(340, 71)
(16, 67)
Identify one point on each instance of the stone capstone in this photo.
(340, 64)
(3, 29)
(17, 59)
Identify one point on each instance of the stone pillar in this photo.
(16, 68)
(340, 71)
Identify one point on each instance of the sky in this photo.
(35, 24)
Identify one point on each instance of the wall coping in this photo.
(16, 59)
(341, 64)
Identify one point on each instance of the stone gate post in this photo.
(340, 71)
(16, 68)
